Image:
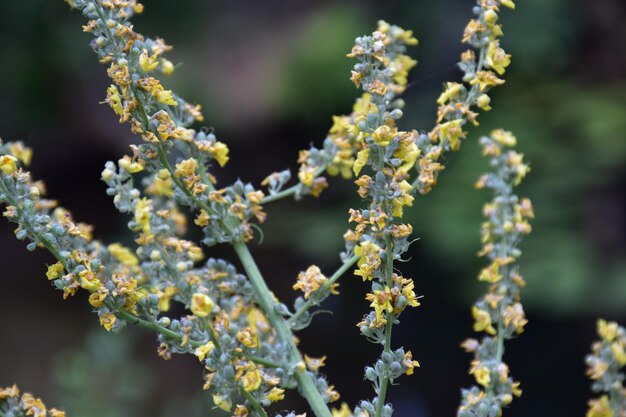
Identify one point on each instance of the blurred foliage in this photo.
(102, 378)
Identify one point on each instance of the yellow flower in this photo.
(142, 215)
(310, 281)
(452, 91)
(383, 134)
(482, 321)
(333, 395)
(508, 3)
(491, 273)
(166, 66)
(7, 164)
(124, 255)
(247, 337)
(407, 291)
(21, 152)
(409, 363)
(96, 299)
(344, 411)
(618, 353)
(220, 153)
(600, 407)
(131, 166)
(483, 102)
(201, 305)
(202, 351)
(381, 302)
(497, 59)
(408, 152)
(491, 17)
(148, 63)
(361, 159)
(252, 380)
(107, 320)
(306, 175)
(314, 364)
(607, 331)
(486, 79)
(166, 97)
(482, 375)
(89, 281)
(55, 271)
(114, 100)
(504, 137)
(453, 132)
(275, 394)
(222, 402)
(9, 392)
(240, 411)
(369, 259)
(33, 406)
(405, 199)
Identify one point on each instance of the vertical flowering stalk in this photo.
(498, 313)
(604, 364)
(380, 237)
(482, 65)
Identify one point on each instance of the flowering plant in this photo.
(242, 335)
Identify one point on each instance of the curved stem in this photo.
(305, 381)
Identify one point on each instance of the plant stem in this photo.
(291, 190)
(282, 194)
(266, 301)
(255, 405)
(325, 287)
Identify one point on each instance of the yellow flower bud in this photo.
(166, 66)
(163, 174)
(483, 102)
(7, 164)
(491, 17)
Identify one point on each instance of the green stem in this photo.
(255, 405)
(124, 315)
(211, 333)
(280, 195)
(291, 190)
(266, 301)
(325, 287)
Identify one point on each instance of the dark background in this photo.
(269, 75)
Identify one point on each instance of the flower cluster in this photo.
(482, 65)
(240, 333)
(12, 404)
(379, 237)
(608, 357)
(498, 313)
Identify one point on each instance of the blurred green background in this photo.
(269, 75)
